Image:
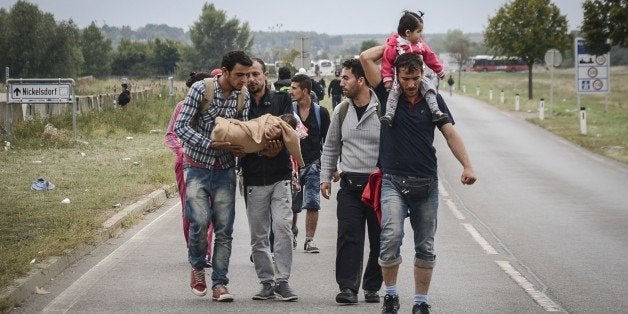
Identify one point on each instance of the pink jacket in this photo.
(397, 45)
(171, 140)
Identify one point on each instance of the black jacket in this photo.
(257, 169)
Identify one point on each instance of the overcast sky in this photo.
(332, 17)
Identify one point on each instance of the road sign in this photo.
(40, 92)
(553, 58)
(592, 72)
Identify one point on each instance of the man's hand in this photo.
(236, 150)
(468, 176)
(273, 132)
(326, 189)
(272, 148)
(335, 176)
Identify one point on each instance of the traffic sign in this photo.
(40, 92)
(592, 72)
(553, 58)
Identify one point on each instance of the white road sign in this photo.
(592, 72)
(40, 92)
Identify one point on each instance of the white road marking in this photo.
(479, 239)
(66, 299)
(538, 296)
(454, 209)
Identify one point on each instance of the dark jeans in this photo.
(353, 215)
(335, 100)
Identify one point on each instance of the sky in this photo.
(333, 17)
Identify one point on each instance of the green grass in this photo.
(607, 122)
(95, 171)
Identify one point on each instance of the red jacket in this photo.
(397, 45)
(371, 195)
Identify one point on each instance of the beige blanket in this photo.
(250, 134)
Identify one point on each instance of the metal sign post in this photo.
(553, 58)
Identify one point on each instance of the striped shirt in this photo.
(195, 129)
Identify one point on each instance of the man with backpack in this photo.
(316, 119)
(358, 152)
(209, 168)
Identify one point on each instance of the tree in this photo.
(130, 59)
(213, 35)
(64, 57)
(459, 47)
(526, 29)
(369, 44)
(96, 52)
(605, 19)
(163, 56)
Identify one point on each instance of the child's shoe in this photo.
(386, 120)
(438, 117)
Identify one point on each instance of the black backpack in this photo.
(318, 90)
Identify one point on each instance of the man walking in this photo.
(410, 181)
(353, 137)
(316, 119)
(267, 187)
(334, 90)
(209, 171)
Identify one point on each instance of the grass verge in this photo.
(118, 156)
(607, 117)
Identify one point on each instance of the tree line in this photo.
(33, 44)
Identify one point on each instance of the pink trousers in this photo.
(178, 171)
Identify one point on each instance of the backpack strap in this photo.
(210, 90)
(240, 102)
(317, 114)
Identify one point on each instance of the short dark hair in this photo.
(260, 61)
(195, 77)
(355, 66)
(231, 58)
(409, 61)
(290, 119)
(410, 21)
(284, 73)
(303, 80)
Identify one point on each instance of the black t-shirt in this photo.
(407, 148)
(312, 145)
(334, 88)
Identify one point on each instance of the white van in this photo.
(325, 67)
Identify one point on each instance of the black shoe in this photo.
(208, 264)
(346, 296)
(391, 304)
(284, 293)
(267, 292)
(439, 117)
(371, 296)
(385, 120)
(422, 308)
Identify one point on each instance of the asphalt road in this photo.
(544, 229)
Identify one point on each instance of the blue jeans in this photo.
(309, 196)
(423, 219)
(217, 185)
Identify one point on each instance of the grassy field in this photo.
(607, 117)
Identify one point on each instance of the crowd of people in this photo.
(391, 159)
